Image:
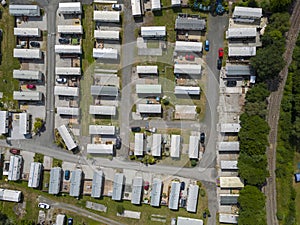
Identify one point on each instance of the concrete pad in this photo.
(28, 159)
(47, 162)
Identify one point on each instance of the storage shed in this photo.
(155, 5)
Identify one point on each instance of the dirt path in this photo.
(273, 117)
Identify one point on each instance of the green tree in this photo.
(258, 93)
(279, 5)
(38, 124)
(256, 108)
(268, 62)
(252, 206)
(120, 209)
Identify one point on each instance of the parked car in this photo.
(31, 86)
(202, 138)
(44, 205)
(189, 57)
(173, 221)
(221, 52)
(67, 174)
(231, 83)
(64, 41)
(70, 221)
(116, 7)
(182, 186)
(14, 151)
(206, 45)
(135, 129)
(34, 44)
(118, 143)
(61, 80)
(219, 63)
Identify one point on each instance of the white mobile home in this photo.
(153, 32)
(228, 218)
(55, 180)
(229, 165)
(231, 183)
(156, 145)
(192, 69)
(70, 29)
(241, 33)
(24, 53)
(68, 49)
(156, 192)
(15, 165)
(24, 10)
(66, 136)
(27, 32)
(107, 16)
(27, 95)
(3, 122)
(228, 146)
(194, 147)
(102, 149)
(105, 53)
(102, 130)
(139, 144)
(68, 71)
(246, 14)
(118, 187)
(105, 110)
(35, 174)
(230, 127)
(149, 108)
(24, 123)
(192, 200)
(10, 195)
(97, 184)
(187, 46)
(75, 183)
(70, 8)
(148, 89)
(27, 74)
(137, 187)
(174, 195)
(107, 34)
(147, 70)
(186, 90)
(136, 8)
(66, 91)
(108, 91)
(68, 111)
(241, 51)
(175, 146)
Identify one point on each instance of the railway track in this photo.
(273, 116)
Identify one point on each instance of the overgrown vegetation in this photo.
(38, 124)
(252, 161)
(288, 142)
(38, 158)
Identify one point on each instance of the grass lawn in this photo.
(8, 62)
(88, 70)
(56, 162)
(152, 44)
(46, 179)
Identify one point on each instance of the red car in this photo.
(31, 86)
(221, 52)
(189, 57)
(14, 151)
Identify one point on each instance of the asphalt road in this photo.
(215, 35)
(128, 51)
(78, 211)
